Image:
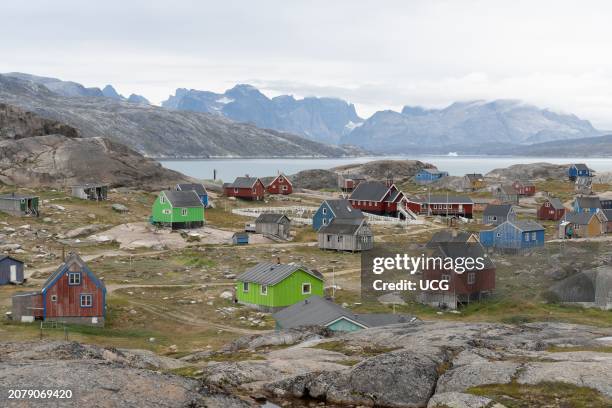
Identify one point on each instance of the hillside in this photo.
(159, 132)
(590, 146)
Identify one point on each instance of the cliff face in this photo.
(18, 124)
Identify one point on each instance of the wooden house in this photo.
(552, 209)
(426, 176)
(91, 191)
(331, 209)
(453, 236)
(240, 238)
(512, 236)
(19, 204)
(275, 225)
(524, 188)
(579, 170)
(271, 287)
(72, 294)
(378, 198)
(280, 185)
(506, 193)
(340, 234)
(11, 270)
(248, 188)
(583, 224)
(442, 205)
(466, 283)
(349, 181)
(474, 181)
(199, 189)
(497, 214)
(608, 215)
(178, 209)
(586, 204)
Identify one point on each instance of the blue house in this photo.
(586, 204)
(240, 238)
(11, 270)
(198, 188)
(331, 209)
(579, 170)
(514, 235)
(426, 176)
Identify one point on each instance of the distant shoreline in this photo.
(382, 157)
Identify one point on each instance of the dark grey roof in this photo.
(450, 236)
(527, 225)
(608, 214)
(578, 218)
(243, 182)
(499, 210)
(588, 202)
(14, 196)
(383, 319)
(342, 226)
(181, 199)
(4, 256)
(581, 166)
(507, 189)
(267, 273)
(90, 185)
(343, 209)
(450, 199)
(198, 188)
(474, 176)
(240, 234)
(464, 250)
(556, 203)
(433, 171)
(314, 311)
(271, 218)
(369, 191)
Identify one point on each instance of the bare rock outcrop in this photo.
(531, 171)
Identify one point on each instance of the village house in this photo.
(318, 311)
(199, 189)
(474, 181)
(379, 198)
(240, 238)
(426, 176)
(443, 205)
(343, 234)
(280, 185)
(72, 294)
(349, 181)
(275, 225)
(579, 170)
(582, 225)
(11, 270)
(19, 204)
(248, 188)
(452, 236)
(552, 209)
(584, 185)
(524, 188)
(608, 215)
(497, 214)
(586, 204)
(270, 287)
(91, 191)
(177, 210)
(506, 193)
(464, 286)
(331, 209)
(605, 203)
(513, 236)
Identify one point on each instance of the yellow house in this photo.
(586, 224)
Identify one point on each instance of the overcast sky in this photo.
(375, 54)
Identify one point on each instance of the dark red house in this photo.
(280, 185)
(72, 294)
(377, 198)
(524, 188)
(552, 209)
(249, 188)
(444, 205)
(466, 284)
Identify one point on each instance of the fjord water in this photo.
(228, 169)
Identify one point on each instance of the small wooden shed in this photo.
(19, 205)
(11, 270)
(91, 191)
(240, 238)
(276, 225)
(346, 235)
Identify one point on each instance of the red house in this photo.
(524, 188)
(377, 198)
(442, 205)
(280, 185)
(249, 188)
(72, 294)
(552, 209)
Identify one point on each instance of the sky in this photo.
(376, 54)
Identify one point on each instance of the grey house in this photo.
(19, 204)
(11, 270)
(497, 214)
(91, 191)
(346, 235)
(274, 225)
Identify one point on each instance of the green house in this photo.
(271, 287)
(178, 209)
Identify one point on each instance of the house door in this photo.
(13, 273)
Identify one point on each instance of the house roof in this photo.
(499, 210)
(344, 209)
(4, 256)
(72, 258)
(461, 250)
(581, 166)
(285, 177)
(90, 185)
(183, 198)
(240, 234)
(526, 225)
(13, 196)
(556, 203)
(579, 218)
(314, 311)
(450, 199)
(475, 177)
(507, 189)
(197, 187)
(243, 182)
(433, 171)
(267, 273)
(588, 202)
(353, 176)
(448, 235)
(271, 218)
(343, 226)
(369, 191)
(607, 213)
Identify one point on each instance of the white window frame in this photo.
(324, 211)
(184, 212)
(309, 291)
(263, 290)
(162, 199)
(533, 236)
(284, 187)
(85, 296)
(74, 282)
(54, 298)
(167, 211)
(245, 287)
(324, 221)
(235, 189)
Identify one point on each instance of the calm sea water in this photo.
(228, 169)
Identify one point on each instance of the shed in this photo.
(11, 270)
(178, 209)
(552, 209)
(19, 204)
(506, 193)
(275, 225)
(91, 191)
(353, 235)
(199, 189)
(513, 236)
(426, 176)
(330, 209)
(498, 214)
(240, 238)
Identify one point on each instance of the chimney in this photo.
(389, 181)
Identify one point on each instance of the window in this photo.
(86, 300)
(533, 236)
(166, 211)
(284, 188)
(339, 238)
(235, 190)
(184, 212)
(471, 278)
(445, 277)
(329, 238)
(494, 218)
(162, 199)
(324, 211)
(306, 288)
(527, 237)
(324, 221)
(54, 298)
(245, 287)
(263, 289)
(74, 278)
(498, 235)
(547, 204)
